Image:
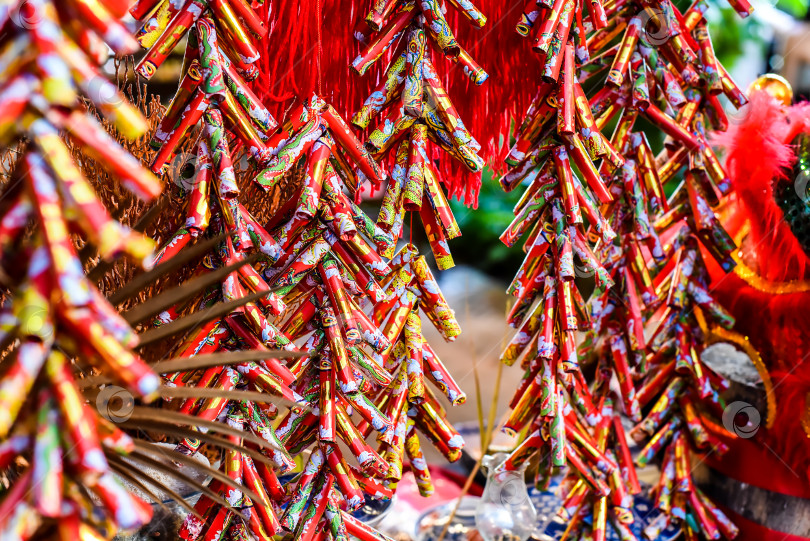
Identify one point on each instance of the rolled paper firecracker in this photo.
(524, 451)
(618, 349)
(337, 528)
(261, 426)
(593, 480)
(556, 430)
(683, 478)
(47, 463)
(658, 441)
(471, 68)
(286, 157)
(436, 238)
(391, 207)
(387, 36)
(554, 52)
(231, 26)
(129, 510)
(653, 386)
(641, 92)
(566, 95)
(662, 409)
(526, 403)
(339, 300)
(570, 202)
(470, 12)
(382, 239)
(308, 523)
(531, 11)
(587, 125)
(419, 466)
(426, 425)
(245, 12)
(668, 125)
(545, 31)
(693, 423)
(417, 157)
(438, 94)
(112, 156)
(190, 115)
(433, 299)
(726, 527)
(368, 257)
(374, 372)
(361, 530)
(585, 165)
(344, 478)
(344, 136)
(304, 487)
(438, 27)
(142, 8)
(389, 130)
(528, 213)
(414, 85)
(79, 427)
(443, 380)
(366, 457)
(413, 343)
(364, 407)
(262, 507)
(176, 28)
(380, 10)
(600, 515)
(383, 95)
(589, 449)
(340, 358)
(96, 17)
(438, 201)
(326, 416)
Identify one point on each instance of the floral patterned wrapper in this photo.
(383, 95)
(174, 31)
(387, 37)
(414, 84)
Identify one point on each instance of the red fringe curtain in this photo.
(290, 68)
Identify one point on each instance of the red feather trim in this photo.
(759, 154)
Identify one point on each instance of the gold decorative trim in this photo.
(752, 278)
(805, 420)
(719, 334)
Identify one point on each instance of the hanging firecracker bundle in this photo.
(664, 69)
(321, 265)
(56, 324)
(315, 272)
(416, 115)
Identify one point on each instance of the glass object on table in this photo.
(505, 511)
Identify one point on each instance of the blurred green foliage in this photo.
(479, 245)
